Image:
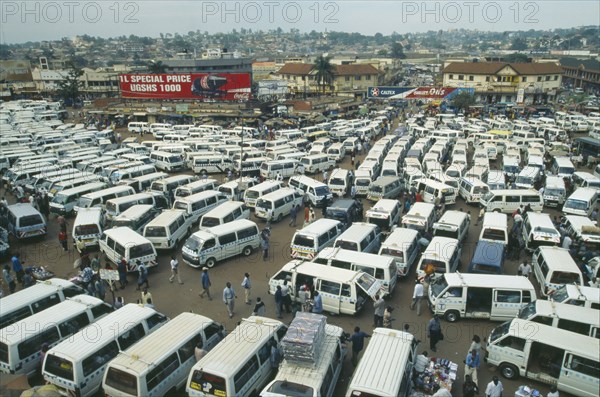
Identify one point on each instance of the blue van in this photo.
(488, 258)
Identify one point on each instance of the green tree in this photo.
(157, 67)
(69, 88)
(398, 51)
(518, 44)
(517, 58)
(463, 101)
(382, 53)
(325, 70)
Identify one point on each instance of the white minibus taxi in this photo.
(433, 191)
(495, 228)
(382, 268)
(116, 206)
(453, 224)
(252, 194)
(316, 163)
(442, 255)
(385, 214)
(168, 229)
(554, 191)
(278, 168)
(403, 246)
(472, 190)
(386, 187)
(312, 239)
(553, 267)
(294, 377)
(420, 217)
(577, 295)
(168, 185)
(76, 365)
(538, 230)
(386, 366)
(339, 182)
(239, 365)
(581, 320)
(584, 229)
(360, 237)
(21, 342)
(161, 362)
(545, 353)
(64, 202)
(196, 187)
(24, 221)
(226, 212)
(215, 244)
(42, 295)
(481, 296)
(316, 191)
(508, 201)
(274, 206)
(136, 217)
(581, 202)
(123, 243)
(87, 227)
(343, 291)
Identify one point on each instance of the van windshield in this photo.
(376, 188)
(554, 192)
(155, 231)
(525, 180)
(337, 181)
(304, 241)
(204, 381)
(253, 194)
(83, 230)
(182, 193)
(564, 278)
(576, 204)
(285, 388)
(393, 252)
(322, 191)
(264, 204)
(122, 381)
(30, 220)
(60, 199)
(494, 234)
(138, 251)
(175, 159)
(528, 311)
(362, 182)
(439, 266)
(157, 186)
(438, 286)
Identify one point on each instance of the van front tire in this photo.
(247, 251)
(211, 262)
(509, 371)
(452, 316)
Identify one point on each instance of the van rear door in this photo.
(370, 285)
(507, 303)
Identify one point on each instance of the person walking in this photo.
(259, 308)
(480, 216)
(8, 279)
(387, 317)
(325, 176)
(145, 296)
(285, 295)
(469, 387)
(306, 214)
(205, 280)
(317, 303)
(434, 332)
(311, 215)
(247, 286)
(293, 215)
(264, 245)
(18, 267)
(417, 297)
(278, 302)
(358, 343)
(525, 269)
(229, 298)
(62, 239)
(142, 276)
(379, 307)
(494, 388)
(175, 270)
(472, 363)
(122, 269)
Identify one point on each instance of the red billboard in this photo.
(200, 86)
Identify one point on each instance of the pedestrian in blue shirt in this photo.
(317, 303)
(358, 343)
(205, 284)
(471, 365)
(18, 268)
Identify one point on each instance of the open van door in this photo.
(370, 285)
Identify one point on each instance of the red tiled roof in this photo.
(302, 69)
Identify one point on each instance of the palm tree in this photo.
(157, 67)
(325, 70)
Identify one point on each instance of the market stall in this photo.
(439, 372)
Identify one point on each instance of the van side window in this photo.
(329, 287)
(228, 218)
(99, 358)
(508, 296)
(513, 199)
(513, 342)
(111, 243)
(210, 243)
(33, 345)
(327, 381)
(101, 310)
(531, 199)
(187, 350)
(73, 325)
(346, 290)
(130, 337)
(265, 351)
(120, 249)
(46, 303)
(245, 373)
(227, 238)
(162, 371)
(247, 232)
(155, 319)
(173, 227)
(583, 365)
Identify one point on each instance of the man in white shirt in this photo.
(494, 388)
(175, 270)
(421, 363)
(525, 269)
(567, 241)
(417, 297)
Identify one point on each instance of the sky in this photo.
(22, 21)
